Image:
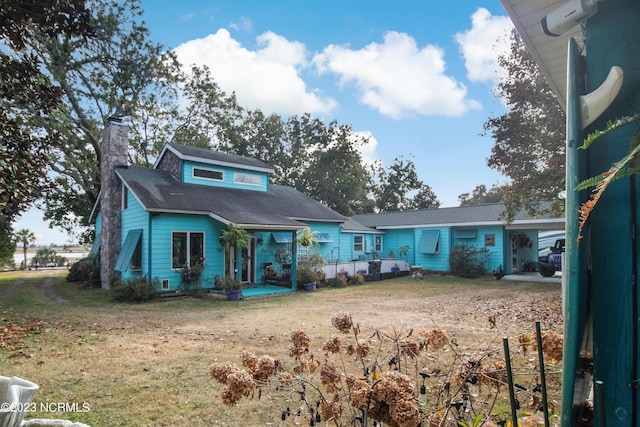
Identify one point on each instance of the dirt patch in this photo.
(49, 292)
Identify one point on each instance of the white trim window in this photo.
(358, 243)
(186, 245)
(377, 243)
(247, 179)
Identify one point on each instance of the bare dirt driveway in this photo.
(148, 364)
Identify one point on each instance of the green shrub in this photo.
(86, 272)
(468, 261)
(135, 290)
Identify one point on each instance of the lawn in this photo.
(113, 364)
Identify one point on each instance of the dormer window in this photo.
(247, 179)
(212, 174)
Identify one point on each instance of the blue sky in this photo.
(416, 77)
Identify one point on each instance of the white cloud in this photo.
(481, 46)
(368, 150)
(398, 78)
(267, 78)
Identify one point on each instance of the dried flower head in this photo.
(329, 375)
(342, 321)
(405, 413)
(249, 360)
(285, 379)
(434, 338)
(306, 366)
(239, 384)
(265, 368)
(409, 348)
(361, 350)
(552, 343)
(299, 343)
(360, 391)
(219, 371)
(332, 345)
(330, 410)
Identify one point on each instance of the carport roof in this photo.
(471, 215)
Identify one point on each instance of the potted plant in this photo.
(307, 278)
(232, 288)
(395, 269)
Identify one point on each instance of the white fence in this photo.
(352, 267)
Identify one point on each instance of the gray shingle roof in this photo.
(471, 214)
(218, 157)
(281, 206)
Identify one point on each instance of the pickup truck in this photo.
(548, 265)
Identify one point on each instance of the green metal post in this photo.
(512, 392)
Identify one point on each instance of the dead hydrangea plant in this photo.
(402, 378)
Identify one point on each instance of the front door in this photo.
(248, 271)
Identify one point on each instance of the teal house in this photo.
(169, 219)
(425, 238)
(166, 223)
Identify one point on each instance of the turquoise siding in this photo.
(345, 248)
(496, 251)
(395, 239)
(136, 218)
(228, 177)
(162, 227)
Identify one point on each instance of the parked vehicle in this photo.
(552, 262)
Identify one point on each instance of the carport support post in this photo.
(294, 260)
(612, 38)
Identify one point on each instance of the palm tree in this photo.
(26, 237)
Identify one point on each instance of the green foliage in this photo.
(529, 139)
(307, 238)
(135, 290)
(25, 88)
(47, 257)
(7, 244)
(481, 195)
(234, 236)
(86, 272)
(115, 73)
(468, 261)
(231, 283)
(305, 275)
(393, 187)
(25, 238)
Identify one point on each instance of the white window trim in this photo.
(166, 284)
(375, 248)
(193, 173)
(250, 176)
(188, 233)
(361, 236)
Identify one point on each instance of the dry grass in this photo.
(147, 365)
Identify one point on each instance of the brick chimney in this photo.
(114, 154)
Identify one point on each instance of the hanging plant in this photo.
(234, 236)
(307, 238)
